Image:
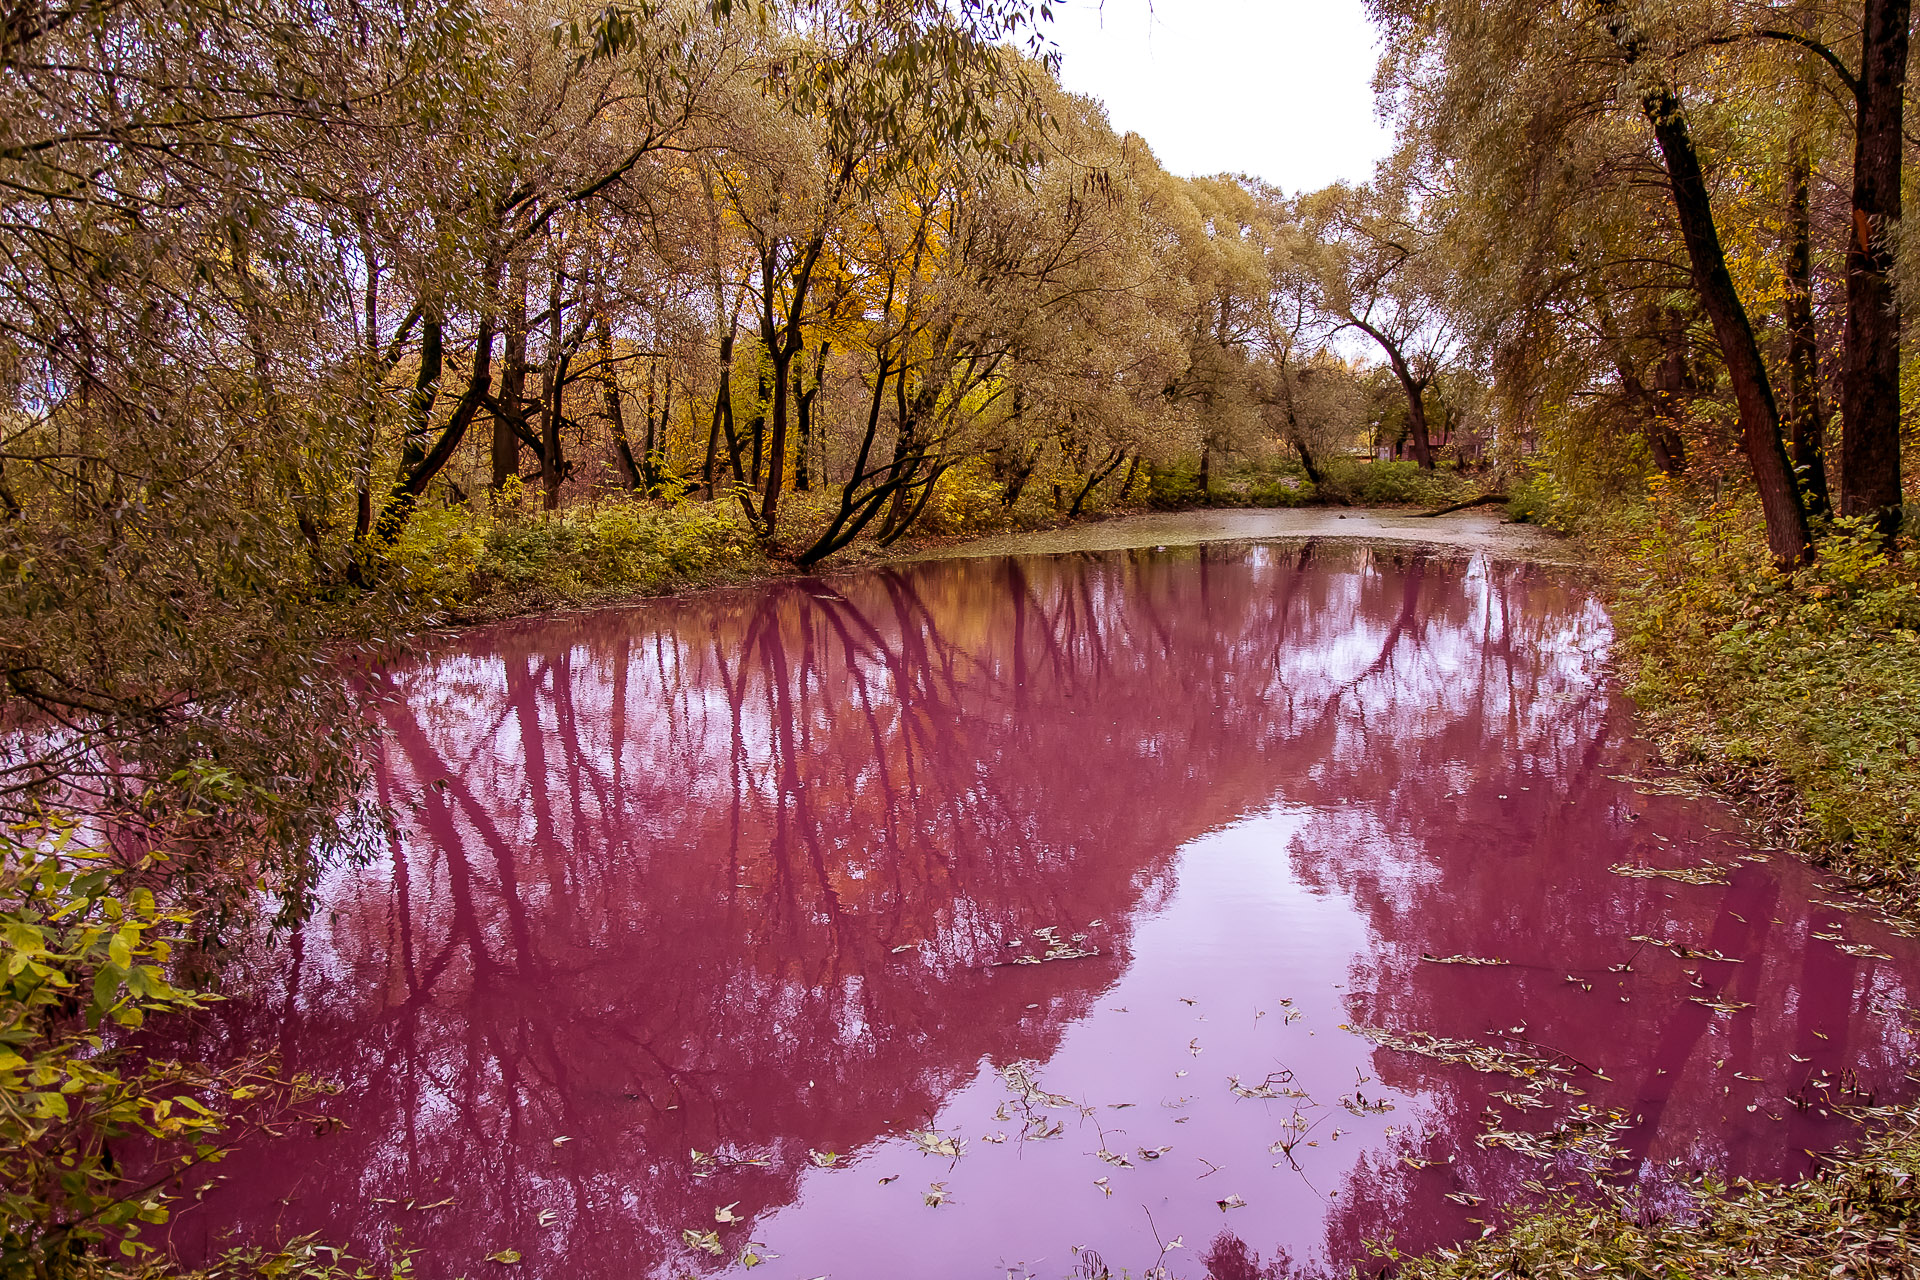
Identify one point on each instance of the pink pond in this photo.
(1029, 917)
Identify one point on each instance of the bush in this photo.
(457, 556)
(1392, 483)
(967, 500)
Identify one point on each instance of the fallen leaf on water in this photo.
(1178, 1242)
(1188, 1000)
(1193, 1046)
(892, 1177)
(709, 1241)
(932, 1142)
(1118, 1106)
(725, 1213)
(562, 1141)
(936, 1195)
(437, 1204)
(1102, 1184)
(1117, 1161)
(547, 1218)
(1462, 1197)
(749, 1259)
(824, 1159)
(1231, 1202)
(509, 1257)
(909, 946)
(995, 1138)
(1153, 1153)
(1433, 959)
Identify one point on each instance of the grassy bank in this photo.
(492, 558)
(1797, 696)
(1853, 1220)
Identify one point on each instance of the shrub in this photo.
(1393, 482)
(457, 556)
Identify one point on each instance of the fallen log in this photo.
(1484, 500)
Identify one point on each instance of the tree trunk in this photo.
(777, 439)
(552, 393)
(1415, 389)
(610, 391)
(803, 406)
(1870, 385)
(1787, 535)
(1807, 419)
(1672, 388)
(722, 402)
(505, 451)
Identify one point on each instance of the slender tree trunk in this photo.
(722, 406)
(782, 358)
(758, 426)
(1870, 384)
(803, 407)
(1107, 467)
(552, 393)
(504, 453)
(1206, 472)
(1672, 388)
(1415, 389)
(1807, 418)
(656, 464)
(1787, 535)
(616, 415)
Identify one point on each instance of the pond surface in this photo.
(1009, 917)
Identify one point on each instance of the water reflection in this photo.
(710, 905)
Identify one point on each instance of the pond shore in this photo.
(1477, 530)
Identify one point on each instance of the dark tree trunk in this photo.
(1805, 415)
(1870, 384)
(420, 463)
(1672, 389)
(1787, 535)
(552, 395)
(1415, 390)
(803, 406)
(757, 425)
(505, 451)
(1107, 467)
(655, 463)
(610, 391)
(722, 409)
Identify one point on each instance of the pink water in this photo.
(701, 910)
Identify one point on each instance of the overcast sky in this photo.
(1280, 89)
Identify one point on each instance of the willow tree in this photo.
(1502, 99)
(1381, 273)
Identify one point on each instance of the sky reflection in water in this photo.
(753, 876)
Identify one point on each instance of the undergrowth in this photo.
(1801, 691)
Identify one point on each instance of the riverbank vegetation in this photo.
(326, 321)
(1691, 304)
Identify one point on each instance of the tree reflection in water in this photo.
(739, 875)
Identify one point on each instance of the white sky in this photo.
(1280, 89)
